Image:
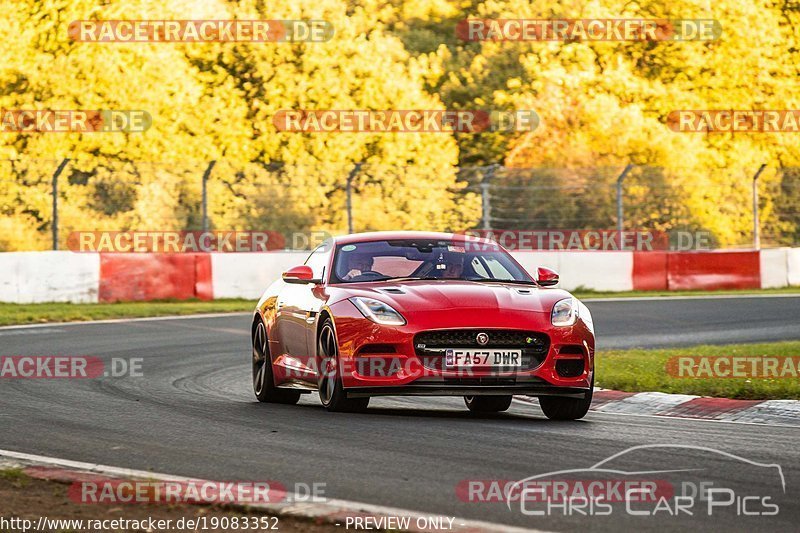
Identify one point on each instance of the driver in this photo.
(357, 264)
(454, 266)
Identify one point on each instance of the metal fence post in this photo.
(620, 216)
(349, 195)
(57, 173)
(206, 174)
(486, 199)
(756, 224)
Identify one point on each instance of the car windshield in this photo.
(410, 259)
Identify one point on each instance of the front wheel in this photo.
(556, 408)
(331, 392)
(263, 383)
(487, 404)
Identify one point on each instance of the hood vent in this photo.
(392, 290)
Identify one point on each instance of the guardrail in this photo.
(31, 277)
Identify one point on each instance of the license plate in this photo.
(482, 358)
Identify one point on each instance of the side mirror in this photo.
(546, 277)
(300, 274)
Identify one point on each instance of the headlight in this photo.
(565, 312)
(378, 312)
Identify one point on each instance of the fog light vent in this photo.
(569, 368)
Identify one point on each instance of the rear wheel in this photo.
(331, 392)
(487, 404)
(556, 408)
(263, 383)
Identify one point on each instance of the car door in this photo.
(298, 308)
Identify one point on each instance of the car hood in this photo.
(453, 294)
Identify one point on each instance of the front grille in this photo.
(430, 346)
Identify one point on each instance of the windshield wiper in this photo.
(491, 280)
(410, 278)
(479, 280)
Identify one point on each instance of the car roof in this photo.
(397, 235)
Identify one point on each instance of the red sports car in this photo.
(429, 314)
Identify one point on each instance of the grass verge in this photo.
(646, 370)
(65, 312)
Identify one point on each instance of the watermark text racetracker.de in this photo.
(200, 31)
(169, 241)
(562, 490)
(68, 367)
(591, 240)
(734, 366)
(74, 121)
(113, 491)
(734, 121)
(174, 241)
(502, 362)
(404, 121)
(567, 30)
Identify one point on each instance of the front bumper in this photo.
(417, 389)
(383, 360)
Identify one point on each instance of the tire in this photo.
(331, 392)
(487, 404)
(263, 382)
(556, 408)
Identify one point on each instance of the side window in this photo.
(318, 260)
(478, 268)
(497, 269)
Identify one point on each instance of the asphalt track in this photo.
(192, 413)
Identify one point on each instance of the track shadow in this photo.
(419, 412)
